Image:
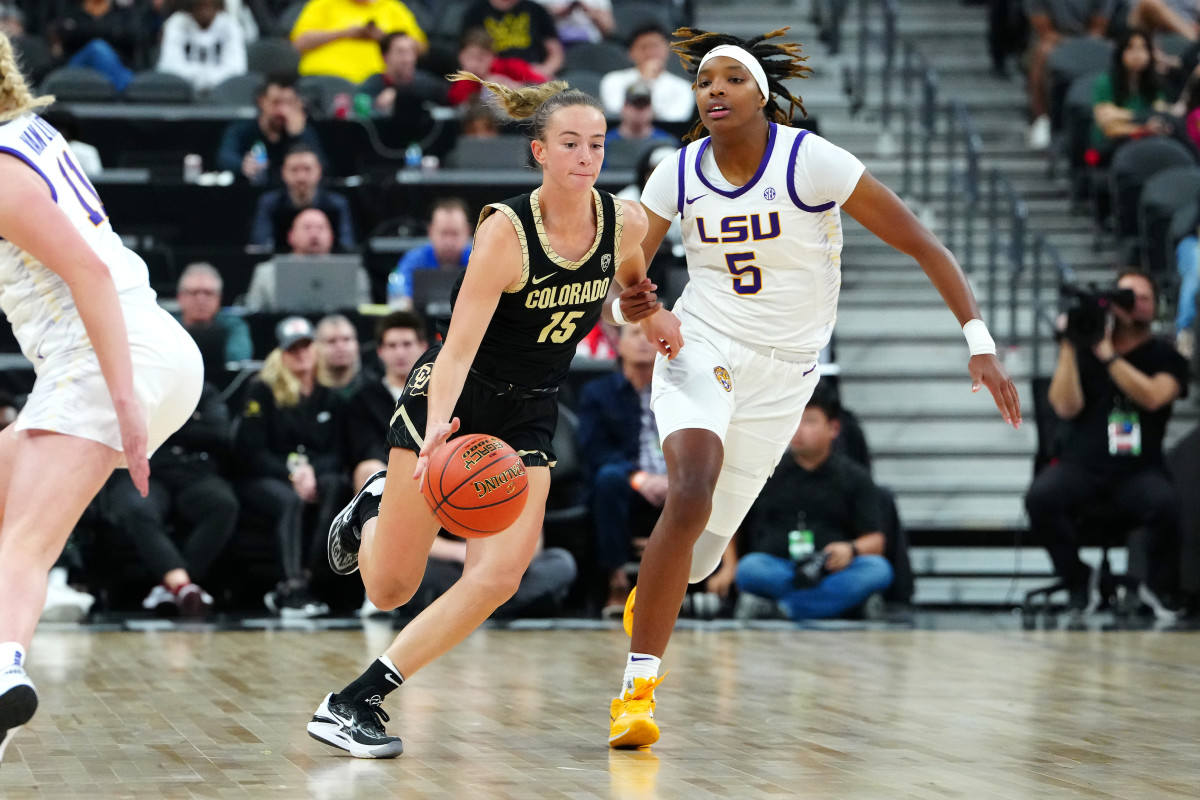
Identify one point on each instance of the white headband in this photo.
(742, 56)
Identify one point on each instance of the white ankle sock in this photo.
(12, 654)
(640, 665)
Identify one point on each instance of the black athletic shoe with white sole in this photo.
(18, 701)
(356, 727)
(345, 533)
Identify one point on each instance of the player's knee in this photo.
(495, 584)
(690, 497)
(392, 594)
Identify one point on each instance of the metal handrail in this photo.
(962, 184)
(1044, 314)
(1018, 218)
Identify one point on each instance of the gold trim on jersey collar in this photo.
(536, 206)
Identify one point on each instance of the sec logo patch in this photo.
(723, 378)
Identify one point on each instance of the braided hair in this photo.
(15, 97)
(779, 62)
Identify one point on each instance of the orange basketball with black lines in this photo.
(476, 485)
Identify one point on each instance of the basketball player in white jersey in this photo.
(759, 203)
(116, 375)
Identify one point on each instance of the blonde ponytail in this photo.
(283, 384)
(15, 97)
(534, 103)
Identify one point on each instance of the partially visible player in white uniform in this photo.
(759, 203)
(116, 375)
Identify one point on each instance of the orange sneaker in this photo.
(627, 617)
(632, 715)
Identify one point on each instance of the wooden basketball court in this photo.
(989, 712)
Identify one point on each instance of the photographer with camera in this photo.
(1114, 387)
(814, 536)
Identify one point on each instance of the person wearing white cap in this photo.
(759, 203)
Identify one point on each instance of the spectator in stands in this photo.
(478, 121)
(813, 540)
(221, 335)
(449, 248)
(618, 439)
(671, 96)
(646, 164)
(1125, 98)
(310, 235)
(401, 85)
(1115, 393)
(581, 20)
(255, 148)
(339, 366)
(1050, 22)
(103, 35)
(202, 43)
(289, 445)
(187, 487)
(400, 337)
(519, 29)
(341, 37)
(12, 21)
(67, 124)
(637, 120)
(541, 592)
(276, 210)
(1165, 16)
(475, 55)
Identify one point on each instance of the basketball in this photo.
(475, 485)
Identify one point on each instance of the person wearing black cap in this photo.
(637, 120)
(290, 445)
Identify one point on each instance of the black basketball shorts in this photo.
(524, 420)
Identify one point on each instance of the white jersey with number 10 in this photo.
(36, 301)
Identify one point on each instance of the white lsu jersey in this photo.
(35, 299)
(764, 259)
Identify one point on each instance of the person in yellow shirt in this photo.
(341, 37)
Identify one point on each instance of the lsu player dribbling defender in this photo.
(759, 205)
(116, 375)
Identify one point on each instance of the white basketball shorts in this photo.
(70, 396)
(752, 400)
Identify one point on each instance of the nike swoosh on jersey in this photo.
(536, 281)
(691, 200)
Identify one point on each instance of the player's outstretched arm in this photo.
(495, 265)
(885, 215)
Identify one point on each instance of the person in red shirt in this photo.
(475, 55)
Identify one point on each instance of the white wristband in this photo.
(617, 316)
(979, 341)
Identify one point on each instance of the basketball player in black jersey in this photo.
(541, 268)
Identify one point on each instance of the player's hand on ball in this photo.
(436, 434)
(986, 371)
(663, 332)
(639, 301)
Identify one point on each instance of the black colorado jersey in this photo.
(532, 336)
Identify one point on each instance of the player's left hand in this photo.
(436, 434)
(986, 371)
(664, 333)
(132, 423)
(639, 301)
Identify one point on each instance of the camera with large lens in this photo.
(1088, 310)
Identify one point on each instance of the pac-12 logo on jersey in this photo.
(741, 228)
(605, 262)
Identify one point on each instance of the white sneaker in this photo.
(1038, 137)
(161, 600)
(1150, 599)
(370, 610)
(18, 701)
(64, 604)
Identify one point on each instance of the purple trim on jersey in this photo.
(32, 166)
(791, 180)
(680, 165)
(762, 167)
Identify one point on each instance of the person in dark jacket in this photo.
(186, 487)
(289, 443)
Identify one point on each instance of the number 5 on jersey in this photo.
(747, 279)
(562, 325)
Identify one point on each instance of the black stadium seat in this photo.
(78, 85)
(158, 87)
